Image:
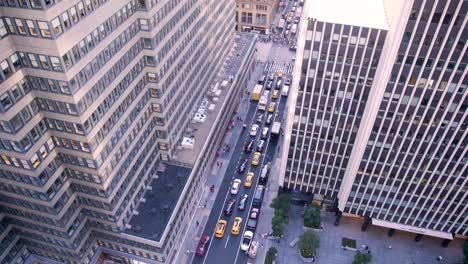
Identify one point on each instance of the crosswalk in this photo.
(276, 67)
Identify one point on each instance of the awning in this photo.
(412, 229)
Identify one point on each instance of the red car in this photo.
(203, 245)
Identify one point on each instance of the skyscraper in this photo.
(94, 95)
(378, 117)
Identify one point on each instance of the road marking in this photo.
(227, 240)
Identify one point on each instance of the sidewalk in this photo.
(215, 177)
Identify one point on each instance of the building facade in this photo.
(94, 96)
(394, 150)
(255, 14)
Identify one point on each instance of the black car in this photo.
(253, 217)
(229, 207)
(243, 202)
(293, 48)
(287, 81)
(269, 85)
(248, 146)
(269, 119)
(243, 166)
(261, 145)
(260, 118)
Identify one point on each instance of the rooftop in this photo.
(200, 131)
(362, 13)
(154, 213)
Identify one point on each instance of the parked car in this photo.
(269, 85)
(293, 48)
(249, 146)
(235, 186)
(261, 146)
(253, 219)
(264, 173)
(256, 158)
(220, 228)
(287, 81)
(243, 202)
(246, 240)
(229, 207)
(236, 226)
(203, 245)
(249, 179)
(254, 130)
(242, 166)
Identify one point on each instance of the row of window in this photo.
(58, 25)
(33, 162)
(14, 94)
(22, 59)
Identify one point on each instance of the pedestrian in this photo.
(262, 245)
(197, 223)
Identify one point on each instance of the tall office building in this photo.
(378, 113)
(94, 94)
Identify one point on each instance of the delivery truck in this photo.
(257, 92)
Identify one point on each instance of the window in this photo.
(44, 28)
(6, 68)
(55, 64)
(20, 26)
(33, 60)
(44, 62)
(81, 9)
(261, 19)
(66, 20)
(3, 30)
(32, 28)
(57, 26)
(74, 15)
(15, 61)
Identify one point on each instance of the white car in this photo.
(235, 186)
(246, 240)
(254, 130)
(265, 133)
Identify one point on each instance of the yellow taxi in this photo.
(272, 107)
(220, 228)
(249, 179)
(256, 158)
(236, 227)
(275, 94)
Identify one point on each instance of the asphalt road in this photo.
(227, 249)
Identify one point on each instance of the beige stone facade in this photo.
(255, 14)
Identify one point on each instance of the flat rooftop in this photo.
(170, 180)
(154, 213)
(200, 131)
(362, 13)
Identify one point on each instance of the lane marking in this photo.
(227, 240)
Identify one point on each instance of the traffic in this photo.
(233, 236)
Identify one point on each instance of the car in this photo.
(253, 219)
(264, 173)
(243, 202)
(242, 166)
(249, 179)
(254, 130)
(271, 77)
(236, 226)
(279, 83)
(235, 186)
(246, 240)
(296, 20)
(265, 133)
(288, 26)
(287, 82)
(272, 107)
(229, 207)
(248, 146)
(261, 146)
(203, 245)
(220, 228)
(269, 85)
(256, 158)
(293, 58)
(269, 119)
(275, 94)
(260, 118)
